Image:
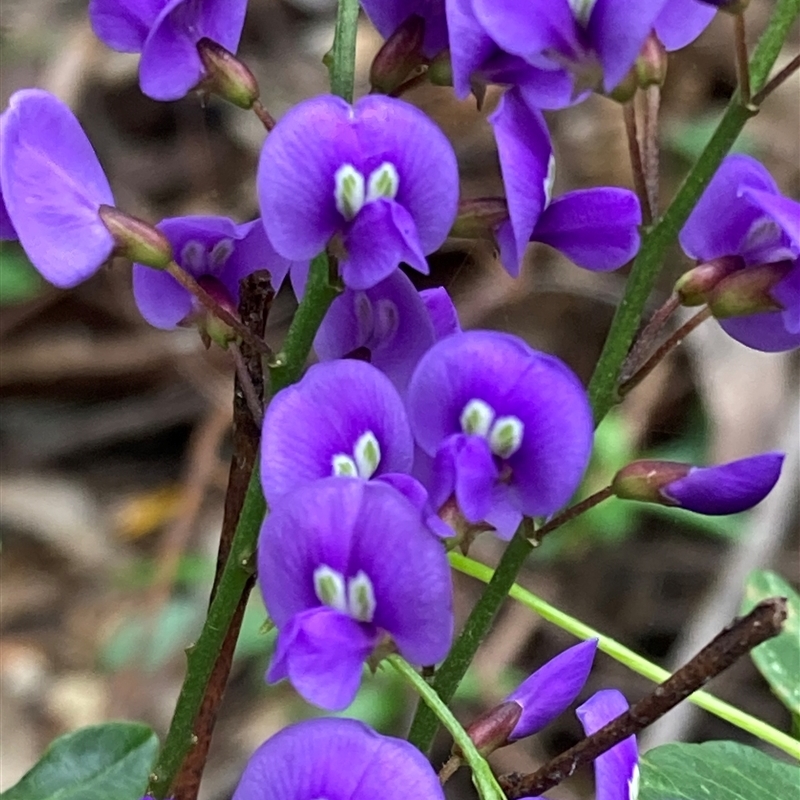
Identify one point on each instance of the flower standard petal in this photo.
(726, 488)
(616, 771)
(324, 415)
(525, 151)
(550, 690)
(597, 229)
(388, 15)
(53, 187)
(396, 132)
(296, 183)
(123, 26)
(332, 758)
(471, 46)
(390, 321)
(680, 22)
(783, 210)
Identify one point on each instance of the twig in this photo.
(742, 65)
(646, 337)
(668, 346)
(762, 623)
(267, 120)
(571, 513)
(254, 404)
(652, 98)
(774, 83)
(637, 168)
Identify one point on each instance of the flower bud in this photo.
(477, 219)
(400, 55)
(718, 490)
(748, 291)
(135, 239)
(492, 729)
(440, 69)
(651, 63)
(226, 76)
(694, 286)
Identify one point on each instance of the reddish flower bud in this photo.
(651, 63)
(477, 219)
(694, 286)
(226, 76)
(135, 239)
(400, 55)
(492, 729)
(643, 480)
(748, 291)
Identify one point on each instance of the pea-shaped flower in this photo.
(166, 33)
(379, 177)
(509, 428)
(343, 563)
(53, 187)
(337, 758)
(218, 253)
(343, 418)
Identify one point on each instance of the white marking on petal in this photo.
(329, 587)
(582, 9)
(343, 466)
(633, 784)
(387, 320)
(506, 436)
(362, 306)
(477, 418)
(349, 192)
(361, 597)
(549, 180)
(220, 253)
(367, 454)
(383, 182)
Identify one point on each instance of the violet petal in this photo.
(123, 26)
(680, 22)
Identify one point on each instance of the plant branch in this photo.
(657, 241)
(571, 513)
(762, 623)
(251, 396)
(342, 64)
(742, 66)
(652, 101)
(267, 120)
(637, 166)
(779, 79)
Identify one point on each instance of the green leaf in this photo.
(96, 763)
(778, 659)
(717, 771)
(19, 281)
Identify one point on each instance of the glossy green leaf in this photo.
(778, 659)
(717, 771)
(96, 763)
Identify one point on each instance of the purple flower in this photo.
(598, 229)
(722, 489)
(216, 251)
(617, 770)
(341, 564)
(388, 15)
(682, 21)
(343, 418)
(743, 213)
(166, 33)
(509, 428)
(53, 186)
(6, 225)
(555, 51)
(390, 325)
(549, 691)
(379, 176)
(337, 758)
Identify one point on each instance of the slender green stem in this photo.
(657, 240)
(454, 667)
(603, 386)
(631, 659)
(342, 64)
(482, 775)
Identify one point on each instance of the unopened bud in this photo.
(651, 63)
(400, 55)
(135, 239)
(440, 69)
(644, 480)
(493, 729)
(226, 76)
(748, 291)
(477, 219)
(694, 286)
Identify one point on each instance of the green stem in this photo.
(342, 62)
(603, 386)
(630, 659)
(482, 775)
(454, 667)
(657, 240)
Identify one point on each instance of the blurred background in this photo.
(115, 437)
